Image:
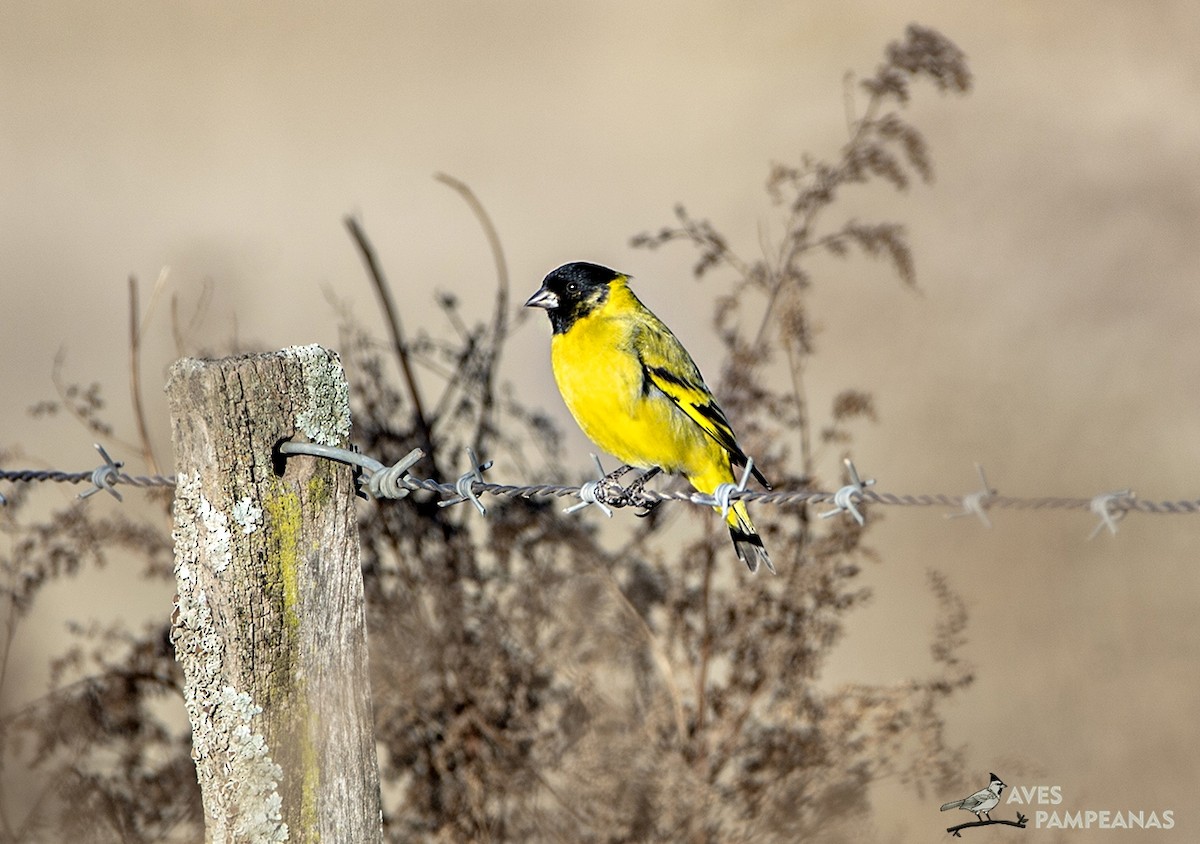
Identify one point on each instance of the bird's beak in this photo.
(544, 298)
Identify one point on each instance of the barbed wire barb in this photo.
(591, 492)
(976, 503)
(465, 485)
(105, 476)
(844, 498)
(1107, 505)
(720, 495)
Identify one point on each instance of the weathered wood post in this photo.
(269, 625)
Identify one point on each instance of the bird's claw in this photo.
(637, 496)
(648, 506)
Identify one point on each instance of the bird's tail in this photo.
(746, 541)
(954, 805)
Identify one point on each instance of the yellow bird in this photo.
(637, 393)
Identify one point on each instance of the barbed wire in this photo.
(103, 478)
(395, 482)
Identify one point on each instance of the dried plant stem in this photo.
(796, 367)
(367, 251)
(135, 378)
(705, 657)
(659, 654)
(487, 376)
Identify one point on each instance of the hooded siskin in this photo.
(637, 393)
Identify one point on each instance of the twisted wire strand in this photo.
(56, 476)
(1118, 504)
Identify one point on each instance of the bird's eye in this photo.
(572, 286)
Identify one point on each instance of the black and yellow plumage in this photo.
(636, 392)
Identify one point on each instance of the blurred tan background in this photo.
(1053, 340)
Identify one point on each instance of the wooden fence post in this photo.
(269, 624)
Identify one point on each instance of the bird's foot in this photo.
(610, 489)
(616, 495)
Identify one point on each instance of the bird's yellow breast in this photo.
(601, 380)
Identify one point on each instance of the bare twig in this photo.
(491, 354)
(657, 652)
(367, 251)
(796, 368)
(135, 377)
(705, 657)
(179, 332)
(68, 395)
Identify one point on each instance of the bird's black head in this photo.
(573, 291)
